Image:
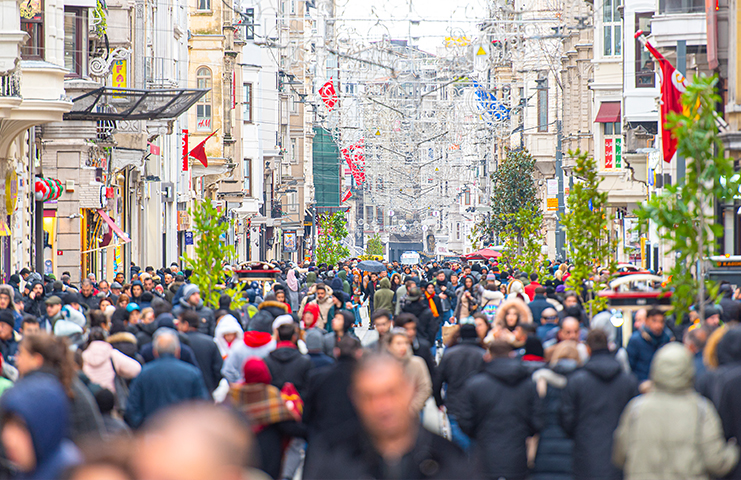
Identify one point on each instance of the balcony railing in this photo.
(670, 7)
(10, 85)
(161, 71)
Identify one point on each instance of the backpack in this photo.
(490, 310)
(292, 399)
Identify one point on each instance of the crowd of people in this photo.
(437, 371)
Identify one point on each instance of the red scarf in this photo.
(431, 301)
(285, 344)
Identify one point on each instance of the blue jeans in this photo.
(459, 438)
(356, 311)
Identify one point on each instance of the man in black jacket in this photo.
(731, 308)
(500, 410)
(206, 351)
(459, 363)
(417, 305)
(591, 405)
(286, 363)
(390, 442)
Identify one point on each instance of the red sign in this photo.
(185, 149)
(609, 157)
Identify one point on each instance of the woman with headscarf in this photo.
(468, 299)
(292, 290)
(228, 335)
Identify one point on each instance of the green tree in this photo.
(513, 189)
(586, 230)
(522, 239)
(375, 246)
(332, 231)
(683, 213)
(211, 254)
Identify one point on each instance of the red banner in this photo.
(355, 157)
(329, 95)
(184, 141)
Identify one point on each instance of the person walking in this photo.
(398, 345)
(164, 382)
(206, 351)
(591, 405)
(498, 413)
(102, 363)
(191, 300)
(644, 343)
(672, 431)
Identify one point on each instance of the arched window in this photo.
(203, 107)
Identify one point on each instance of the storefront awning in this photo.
(121, 235)
(109, 103)
(609, 112)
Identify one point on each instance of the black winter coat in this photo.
(207, 322)
(263, 319)
(327, 403)
(423, 349)
(724, 387)
(289, 365)
(554, 458)
(459, 363)
(592, 403)
(348, 454)
(208, 358)
(731, 308)
(144, 332)
(499, 411)
(427, 325)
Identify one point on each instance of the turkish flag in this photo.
(673, 84)
(329, 94)
(355, 158)
(346, 196)
(199, 151)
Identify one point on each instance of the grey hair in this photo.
(165, 341)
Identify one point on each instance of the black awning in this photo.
(108, 103)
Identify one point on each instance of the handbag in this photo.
(122, 390)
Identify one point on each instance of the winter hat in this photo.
(339, 295)
(314, 340)
(491, 277)
(116, 285)
(282, 320)
(6, 316)
(53, 300)
(255, 371)
(560, 288)
(414, 294)
(313, 309)
(133, 306)
(189, 290)
(66, 328)
(165, 320)
(468, 330)
(533, 346)
(73, 316)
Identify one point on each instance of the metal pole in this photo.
(561, 207)
(682, 67)
(39, 231)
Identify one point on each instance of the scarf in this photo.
(262, 404)
(431, 301)
(291, 281)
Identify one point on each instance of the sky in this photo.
(428, 21)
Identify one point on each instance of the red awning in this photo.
(121, 235)
(609, 112)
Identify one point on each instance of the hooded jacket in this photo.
(384, 297)
(99, 361)
(254, 344)
(672, 431)
(459, 363)
(553, 460)
(268, 311)
(524, 313)
(426, 325)
(591, 405)
(324, 306)
(499, 412)
(345, 284)
(641, 348)
(228, 324)
(287, 364)
(39, 401)
(35, 306)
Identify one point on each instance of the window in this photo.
(32, 22)
(292, 199)
(247, 103)
(74, 40)
(204, 5)
(467, 197)
(612, 128)
(611, 30)
(249, 20)
(368, 214)
(248, 177)
(543, 104)
(644, 74)
(203, 107)
(379, 216)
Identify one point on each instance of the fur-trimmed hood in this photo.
(122, 337)
(525, 315)
(273, 303)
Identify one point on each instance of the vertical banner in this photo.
(185, 149)
(609, 157)
(618, 153)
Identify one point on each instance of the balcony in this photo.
(161, 72)
(679, 20)
(10, 85)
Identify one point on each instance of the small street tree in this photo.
(211, 254)
(522, 238)
(588, 238)
(683, 213)
(375, 246)
(332, 230)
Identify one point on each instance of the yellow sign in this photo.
(378, 133)
(4, 229)
(11, 191)
(729, 263)
(552, 204)
(643, 252)
(481, 51)
(457, 41)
